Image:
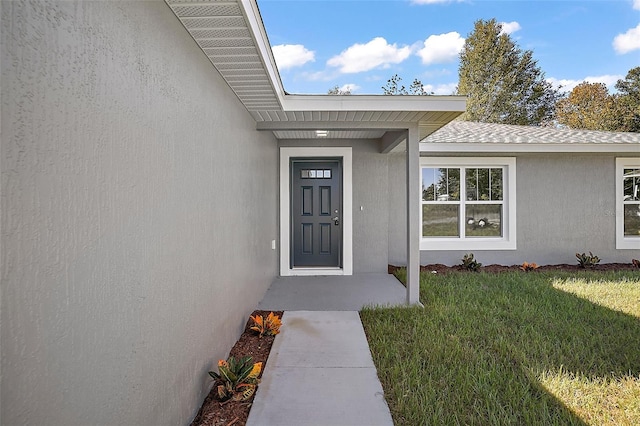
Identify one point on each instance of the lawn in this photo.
(512, 348)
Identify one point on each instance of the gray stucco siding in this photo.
(138, 208)
(565, 204)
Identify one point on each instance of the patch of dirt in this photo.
(443, 269)
(235, 413)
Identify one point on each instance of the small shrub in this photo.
(527, 267)
(469, 263)
(587, 261)
(236, 379)
(635, 262)
(269, 326)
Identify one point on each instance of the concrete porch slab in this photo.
(333, 293)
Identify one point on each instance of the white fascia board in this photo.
(332, 125)
(253, 18)
(373, 103)
(338, 102)
(479, 148)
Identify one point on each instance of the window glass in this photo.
(481, 209)
(631, 201)
(632, 220)
(442, 184)
(483, 220)
(631, 184)
(627, 203)
(483, 184)
(496, 184)
(468, 203)
(440, 220)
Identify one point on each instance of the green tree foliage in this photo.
(629, 101)
(588, 106)
(503, 83)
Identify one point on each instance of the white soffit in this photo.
(232, 35)
(225, 34)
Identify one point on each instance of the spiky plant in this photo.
(236, 379)
(269, 326)
(587, 260)
(468, 262)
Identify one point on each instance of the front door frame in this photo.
(345, 153)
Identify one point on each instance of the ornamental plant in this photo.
(587, 261)
(469, 263)
(269, 326)
(527, 267)
(236, 379)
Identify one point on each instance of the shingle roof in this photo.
(490, 133)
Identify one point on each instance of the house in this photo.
(542, 194)
(148, 157)
(156, 178)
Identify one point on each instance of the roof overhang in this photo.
(469, 137)
(232, 35)
(502, 148)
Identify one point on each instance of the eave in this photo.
(231, 34)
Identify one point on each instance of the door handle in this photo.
(336, 220)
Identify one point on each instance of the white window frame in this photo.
(622, 242)
(508, 239)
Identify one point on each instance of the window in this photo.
(628, 203)
(468, 204)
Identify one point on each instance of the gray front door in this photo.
(316, 213)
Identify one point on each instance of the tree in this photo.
(503, 83)
(393, 87)
(588, 106)
(338, 91)
(629, 101)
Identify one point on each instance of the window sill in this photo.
(628, 243)
(440, 244)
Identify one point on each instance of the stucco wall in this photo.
(396, 187)
(565, 204)
(138, 208)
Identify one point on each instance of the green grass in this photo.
(512, 348)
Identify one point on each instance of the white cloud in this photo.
(365, 57)
(441, 48)
(349, 87)
(568, 85)
(510, 27)
(292, 55)
(636, 4)
(441, 89)
(629, 41)
(318, 76)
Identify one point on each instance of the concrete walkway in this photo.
(320, 372)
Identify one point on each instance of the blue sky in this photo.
(360, 44)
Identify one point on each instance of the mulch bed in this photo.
(443, 269)
(235, 413)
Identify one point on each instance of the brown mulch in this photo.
(443, 269)
(235, 413)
